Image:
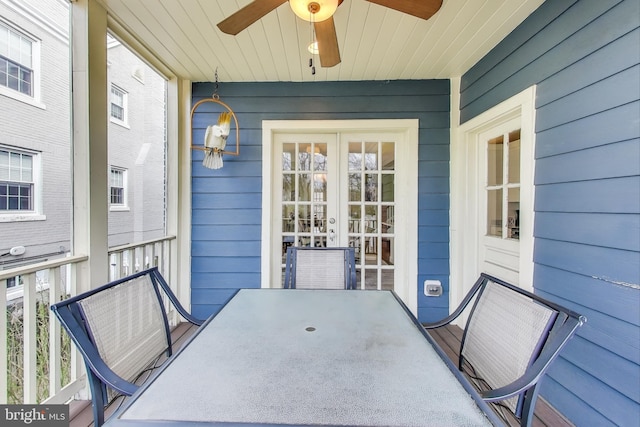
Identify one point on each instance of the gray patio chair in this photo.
(320, 268)
(121, 329)
(511, 338)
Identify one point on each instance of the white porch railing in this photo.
(36, 364)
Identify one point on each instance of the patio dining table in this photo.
(308, 357)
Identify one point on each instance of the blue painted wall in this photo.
(226, 214)
(585, 58)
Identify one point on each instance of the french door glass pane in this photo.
(355, 187)
(304, 187)
(288, 157)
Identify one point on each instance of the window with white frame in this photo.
(17, 183)
(118, 105)
(118, 187)
(16, 61)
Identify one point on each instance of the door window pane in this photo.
(371, 188)
(513, 214)
(388, 188)
(288, 157)
(304, 187)
(320, 187)
(371, 156)
(494, 213)
(388, 156)
(355, 187)
(495, 153)
(320, 157)
(355, 156)
(304, 157)
(514, 158)
(288, 187)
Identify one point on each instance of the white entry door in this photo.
(345, 189)
(499, 195)
(493, 196)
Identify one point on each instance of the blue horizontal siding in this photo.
(613, 195)
(594, 229)
(597, 66)
(227, 203)
(619, 89)
(617, 124)
(611, 299)
(609, 264)
(622, 160)
(584, 57)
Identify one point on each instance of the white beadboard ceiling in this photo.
(376, 43)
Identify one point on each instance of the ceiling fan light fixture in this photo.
(313, 48)
(320, 9)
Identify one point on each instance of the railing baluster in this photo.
(30, 338)
(3, 342)
(55, 335)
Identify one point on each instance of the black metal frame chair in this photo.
(320, 268)
(121, 329)
(511, 338)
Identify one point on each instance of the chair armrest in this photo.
(465, 302)
(535, 372)
(174, 300)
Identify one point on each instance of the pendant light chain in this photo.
(216, 87)
(312, 33)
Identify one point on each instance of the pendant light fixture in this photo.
(319, 9)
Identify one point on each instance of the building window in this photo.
(16, 181)
(16, 61)
(118, 181)
(118, 105)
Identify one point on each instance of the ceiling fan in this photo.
(320, 12)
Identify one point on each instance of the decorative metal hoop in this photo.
(216, 99)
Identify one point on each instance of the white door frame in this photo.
(465, 202)
(407, 190)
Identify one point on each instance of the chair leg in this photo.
(97, 398)
(529, 406)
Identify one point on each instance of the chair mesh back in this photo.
(320, 269)
(127, 326)
(503, 334)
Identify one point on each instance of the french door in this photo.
(339, 190)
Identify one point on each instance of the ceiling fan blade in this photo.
(327, 43)
(248, 15)
(424, 9)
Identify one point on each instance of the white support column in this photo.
(90, 124)
(179, 107)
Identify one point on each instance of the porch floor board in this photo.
(448, 338)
